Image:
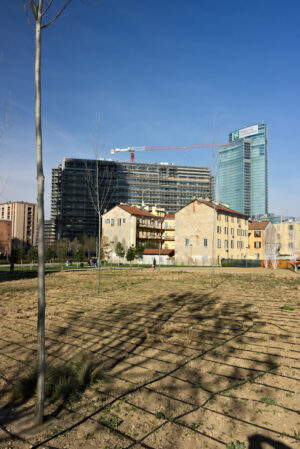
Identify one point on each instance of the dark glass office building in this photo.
(243, 170)
(74, 186)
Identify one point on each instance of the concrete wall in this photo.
(160, 260)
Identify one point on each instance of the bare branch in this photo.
(57, 15)
(47, 8)
(34, 9)
(27, 16)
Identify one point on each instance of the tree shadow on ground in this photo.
(257, 442)
(184, 361)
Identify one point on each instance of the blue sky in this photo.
(156, 72)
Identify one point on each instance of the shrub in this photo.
(240, 263)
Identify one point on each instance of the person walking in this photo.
(154, 263)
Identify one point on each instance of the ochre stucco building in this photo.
(208, 232)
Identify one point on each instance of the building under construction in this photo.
(75, 183)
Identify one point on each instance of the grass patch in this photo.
(63, 382)
(268, 401)
(237, 445)
(287, 308)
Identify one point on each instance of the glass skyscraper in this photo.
(243, 170)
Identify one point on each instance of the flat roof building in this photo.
(243, 170)
(23, 217)
(73, 195)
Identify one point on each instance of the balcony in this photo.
(150, 236)
(151, 225)
(169, 237)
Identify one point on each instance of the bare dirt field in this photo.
(188, 364)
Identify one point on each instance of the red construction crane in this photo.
(133, 150)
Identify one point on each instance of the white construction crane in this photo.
(133, 150)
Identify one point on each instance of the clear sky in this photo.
(157, 72)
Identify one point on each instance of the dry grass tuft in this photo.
(63, 382)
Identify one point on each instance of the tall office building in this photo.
(164, 185)
(243, 170)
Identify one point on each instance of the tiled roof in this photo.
(170, 216)
(136, 211)
(219, 207)
(258, 225)
(157, 252)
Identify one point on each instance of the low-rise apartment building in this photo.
(288, 237)
(261, 240)
(208, 232)
(169, 231)
(5, 238)
(23, 217)
(131, 226)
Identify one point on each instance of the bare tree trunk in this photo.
(40, 398)
(99, 249)
(99, 219)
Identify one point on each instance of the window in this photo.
(226, 230)
(219, 229)
(278, 236)
(239, 221)
(124, 220)
(257, 233)
(226, 244)
(166, 225)
(219, 216)
(232, 219)
(119, 221)
(232, 231)
(219, 243)
(112, 222)
(226, 218)
(257, 244)
(291, 245)
(107, 220)
(232, 244)
(186, 242)
(205, 242)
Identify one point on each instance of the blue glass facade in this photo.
(243, 170)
